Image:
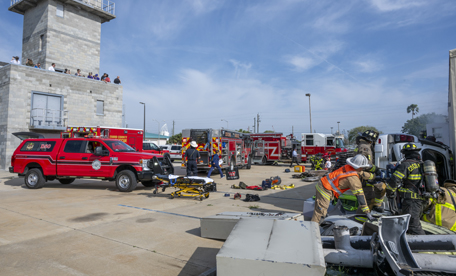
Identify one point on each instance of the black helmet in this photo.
(369, 135)
(409, 147)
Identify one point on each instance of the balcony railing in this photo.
(48, 118)
(105, 5)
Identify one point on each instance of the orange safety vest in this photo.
(331, 181)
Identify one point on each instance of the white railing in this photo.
(105, 5)
(48, 118)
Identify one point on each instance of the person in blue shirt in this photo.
(215, 164)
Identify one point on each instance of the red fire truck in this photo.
(235, 147)
(271, 147)
(132, 137)
(314, 143)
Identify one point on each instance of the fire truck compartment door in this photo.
(204, 157)
(379, 152)
(232, 146)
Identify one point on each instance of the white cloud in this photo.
(302, 63)
(366, 65)
(240, 69)
(393, 5)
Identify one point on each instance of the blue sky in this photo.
(200, 62)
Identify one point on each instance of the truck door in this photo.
(69, 161)
(96, 166)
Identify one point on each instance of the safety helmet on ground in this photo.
(369, 135)
(359, 161)
(409, 148)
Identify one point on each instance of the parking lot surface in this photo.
(89, 228)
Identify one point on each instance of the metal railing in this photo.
(48, 118)
(105, 5)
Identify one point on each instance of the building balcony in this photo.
(50, 119)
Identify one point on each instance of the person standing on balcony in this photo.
(52, 67)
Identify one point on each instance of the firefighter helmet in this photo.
(409, 147)
(358, 162)
(369, 135)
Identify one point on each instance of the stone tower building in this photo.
(64, 32)
(67, 33)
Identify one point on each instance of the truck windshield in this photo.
(119, 146)
(339, 143)
(199, 136)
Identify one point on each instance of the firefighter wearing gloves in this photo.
(408, 174)
(339, 181)
(441, 209)
(374, 192)
(192, 155)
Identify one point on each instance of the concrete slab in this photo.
(272, 247)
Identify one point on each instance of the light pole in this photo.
(338, 131)
(227, 127)
(310, 113)
(331, 130)
(144, 125)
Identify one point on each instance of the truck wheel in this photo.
(148, 183)
(126, 181)
(34, 179)
(66, 180)
(249, 162)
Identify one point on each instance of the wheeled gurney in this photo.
(190, 186)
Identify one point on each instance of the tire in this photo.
(148, 183)
(249, 162)
(126, 181)
(232, 163)
(34, 179)
(66, 181)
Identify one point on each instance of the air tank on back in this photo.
(430, 177)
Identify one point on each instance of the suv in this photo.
(41, 160)
(175, 151)
(151, 147)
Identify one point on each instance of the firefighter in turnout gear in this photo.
(442, 209)
(374, 192)
(339, 181)
(407, 179)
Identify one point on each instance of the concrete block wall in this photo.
(35, 25)
(71, 42)
(80, 97)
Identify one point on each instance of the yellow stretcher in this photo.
(190, 186)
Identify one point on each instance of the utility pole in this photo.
(173, 128)
(254, 124)
(310, 113)
(258, 123)
(292, 131)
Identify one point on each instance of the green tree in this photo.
(268, 131)
(175, 139)
(352, 133)
(242, 131)
(413, 108)
(418, 124)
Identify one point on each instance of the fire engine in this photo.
(235, 147)
(271, 147)
(132, 137)
(314, 143)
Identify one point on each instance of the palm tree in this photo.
(413, 108)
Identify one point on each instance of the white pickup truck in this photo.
(388, 151)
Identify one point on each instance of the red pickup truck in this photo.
(41, 160)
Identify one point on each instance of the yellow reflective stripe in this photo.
(369, 185)
(414, 176)
(358, 191)
(425, 218)
(454, 227)
(390, 188)
(398, 174)
(448, 205)
(361, 219)
(365, 209)
(379, 200)
(438, 215)
(328, 197)
(373, 169)
(371, 177)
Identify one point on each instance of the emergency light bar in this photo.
(403, 138)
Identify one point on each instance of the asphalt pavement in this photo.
(90, 228)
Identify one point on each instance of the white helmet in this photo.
(358, 161)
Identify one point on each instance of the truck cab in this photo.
(388, 151)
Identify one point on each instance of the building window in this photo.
(47, 110)
(100, 107)
(41, 42)
(59, 10)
